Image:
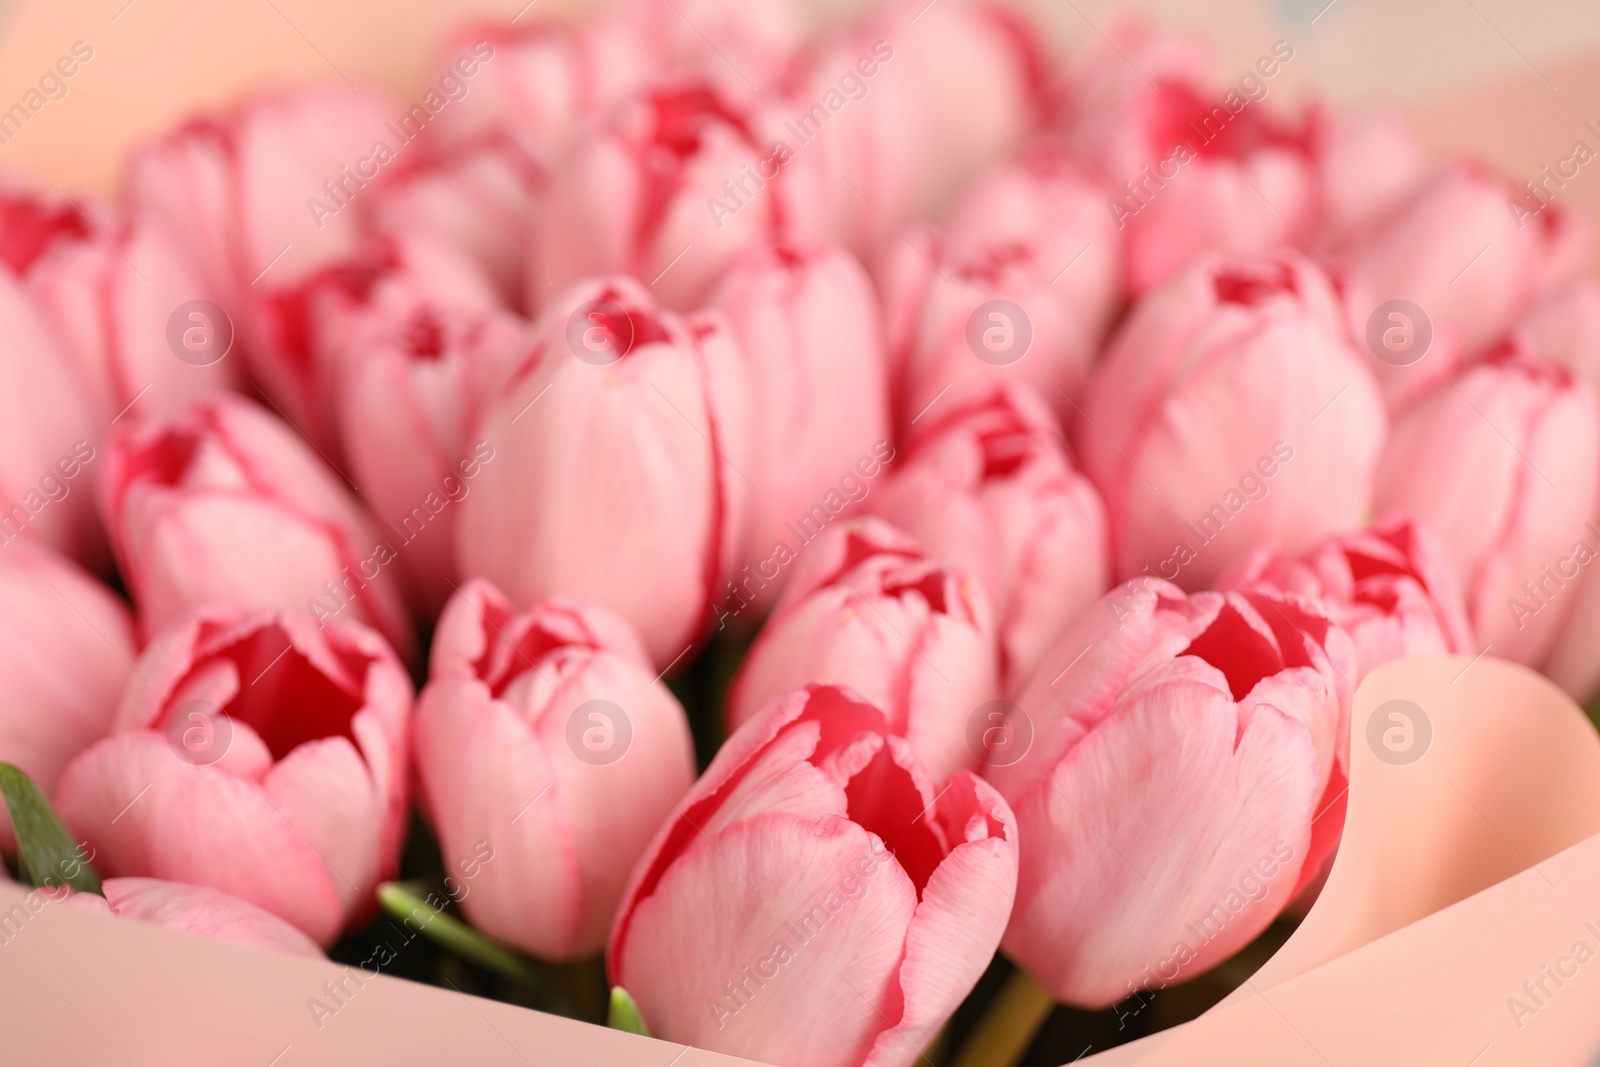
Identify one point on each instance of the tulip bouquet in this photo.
(823, 542)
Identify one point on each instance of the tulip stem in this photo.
(401, 900)
(1007, 1028)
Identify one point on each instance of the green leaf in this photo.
(404, 901)
(624, 1013)
(46, 854)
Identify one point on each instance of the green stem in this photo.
(401, 900)
(1008, 1027)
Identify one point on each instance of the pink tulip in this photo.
(1025, 286)
(1454, 250)
(48, 424)
(298, 363)
(816, 900)
(1565, 327)
(737, 45)
(1391, 587)
(478, 196)
(240, 190)
(226, 503)
(1185, 779)
(1191, 169)
(867, 607)
(622, 487)
(112, 290)
(1502, 464)
(257, 754)
(1368, 164)
(66, 653)
(678, 182)
(989, 489)
(194, 909)
(544, 739)
(902, 136)
(1230, 412)
(807, 323)
(414, 375)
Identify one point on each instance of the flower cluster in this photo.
(812, 534)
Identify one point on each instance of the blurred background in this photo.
(1510, 80)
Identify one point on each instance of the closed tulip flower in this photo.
(1565, 328)
(1473, 267)
(67, 650)
(1369, 162)
(806, 320)
(1229, 412)
(989, 489)
(195, 909)
(49, 425)
(877, 102)
(226, 503)
(1502, 465)
(676, 183)
(110, 288)
(1185, 780)
(1024, 287)
(868, 608)
(642, 440)
(472, 196)
(1391, 587)
(414, 376)
(818, 898)
(233, 189)
(266, 758)
(1191, 168)
(545, 740)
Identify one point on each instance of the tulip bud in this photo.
(124, 301)
(1368, 163)
(670, 190)
(1191, 169)
(544, 742)
(68, 652)
(415, 375)
(843, 903)
(194, 909)
(1230, 412)
(901, 136)
(257, 754)
(1391, 587)
(1025, 286)
(1565, 327)
(868, 608)
(1185, 779)
(990, 490)
(1502, 465)
(225, 503)
(807, 324)
(641, 440)
(1455, 252)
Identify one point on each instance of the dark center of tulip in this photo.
(286, 699)
(1249, 288)
(1238, 649)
